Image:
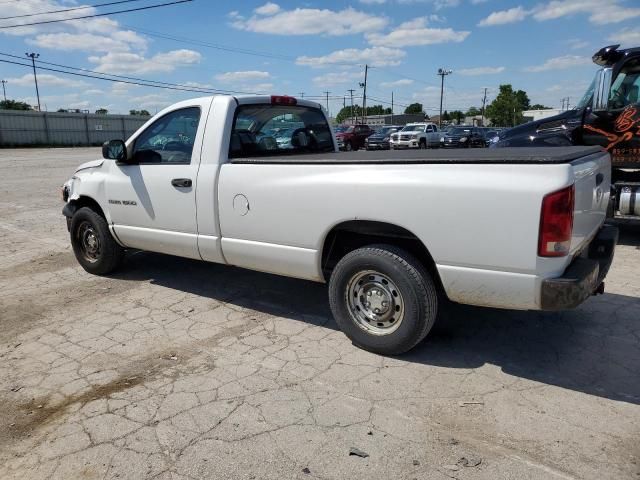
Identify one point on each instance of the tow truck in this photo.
(608, 115)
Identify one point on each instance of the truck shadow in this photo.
(594, 349)
(629, 235)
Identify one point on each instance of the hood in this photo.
(531, 128)
(91, 164)
(380, 136)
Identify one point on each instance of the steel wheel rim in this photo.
(375, 303)
(89, 242)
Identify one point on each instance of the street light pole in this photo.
(33, 57)
(364, 95)
(4, 91)
(351, 90)
(443, 73)
(327, 94)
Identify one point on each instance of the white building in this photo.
(533, 115)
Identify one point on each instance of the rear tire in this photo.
(94, 247)
(348, 147)
(383, 299)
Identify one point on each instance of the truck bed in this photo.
(527, 155)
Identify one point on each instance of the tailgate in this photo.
(592, 177)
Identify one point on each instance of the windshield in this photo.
(413, 128)
(386, 130)
(340, 129)
(586, 98)
(458, 131)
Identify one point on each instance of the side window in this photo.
(626, 88)
(429, 129)
(169, 139)
(264, 129)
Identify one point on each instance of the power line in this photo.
(148, 7)
(136, 80)
(68, 9)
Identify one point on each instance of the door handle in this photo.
(181, 182)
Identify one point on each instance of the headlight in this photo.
(385, 139)
(442, 139)
(463, 139)
(495, 139)
(415, 135)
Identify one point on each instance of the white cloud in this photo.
(627, 37)
(480, 71)
(438, 4)
(600, 13)
(120, 41)
(126, 62)
(93, 91)
(503, 17)
(47, 80)
(612, 12)
(336, 78)
(311, 21)
(415, 32)
(577, 44)
(268, 8)
(374, 56)
(244, 76)
(403, 82)
(151, 101)
(373, 2)
(560, 63)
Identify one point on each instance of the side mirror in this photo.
(114, 150)
(601, 90)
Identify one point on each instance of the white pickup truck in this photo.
(416, 135)
(395, 235)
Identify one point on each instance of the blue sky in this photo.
(290, 47)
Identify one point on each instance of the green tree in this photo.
(473, 112)
(445, 116)
(414, 108)
(63, 110)
(102, 111)
(141, 113)
(538, 106)
(458, 116)
(506, 109)
(14, 105)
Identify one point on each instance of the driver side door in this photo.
(152, 196)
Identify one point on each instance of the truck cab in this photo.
(608, 115)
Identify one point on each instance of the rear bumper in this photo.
(583, 276)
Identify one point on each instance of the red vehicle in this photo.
(352, 137)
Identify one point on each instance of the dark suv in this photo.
(462, 137)
(353, 137)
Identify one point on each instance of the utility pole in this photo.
(33, 57)
(484, 102)
(301, 94)
(562, 108)
(443, 73)
(364, 94)
(391, 107)
(351, 90)
(327, 94)
(4, 91)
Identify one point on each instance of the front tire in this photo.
(348, 147)
(94, 247)
(383, 299)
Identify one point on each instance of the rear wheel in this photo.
(383, 299)
(348, 147)
(94, 247)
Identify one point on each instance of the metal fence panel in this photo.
(18, 128)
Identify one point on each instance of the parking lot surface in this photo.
(178, 369)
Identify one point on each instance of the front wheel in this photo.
(383, 299)
(422, 144)
(94, 247)
(348, 147)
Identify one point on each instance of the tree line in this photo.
(504, 111)
(23, 106)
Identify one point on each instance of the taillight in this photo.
(283, 100)
(556, 223)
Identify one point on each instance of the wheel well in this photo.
(351, 235)
(90, 203)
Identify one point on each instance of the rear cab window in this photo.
(264, 130)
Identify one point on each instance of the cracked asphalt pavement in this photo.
(178, 369)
